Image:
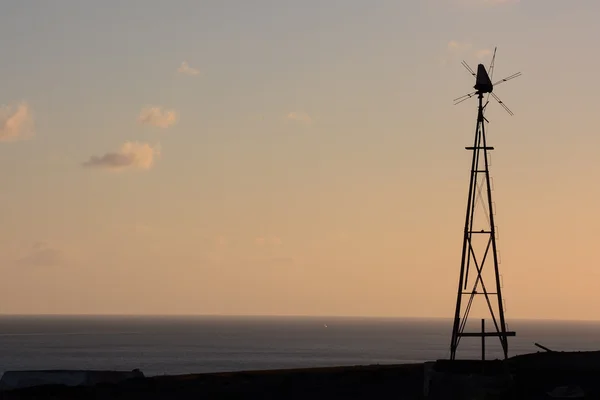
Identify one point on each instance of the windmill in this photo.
(475, 257)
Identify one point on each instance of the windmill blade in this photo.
(493, 64)
(509, 78)
(491, 70)
(502, 104)
(469, 69)
(466, 97)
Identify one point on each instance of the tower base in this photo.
(468, 379)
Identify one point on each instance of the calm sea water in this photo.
(177, 345)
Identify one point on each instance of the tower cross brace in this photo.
(470, 257)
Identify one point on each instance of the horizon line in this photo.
(190, 315)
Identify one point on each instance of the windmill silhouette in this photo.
(476, 256)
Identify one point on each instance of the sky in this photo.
(279, 157)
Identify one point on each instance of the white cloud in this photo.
(158, 117)
(186, 69)
(457, 50)
(130, 155)
(459, 47)
(16, 123)
(483, 53)
(299, 116)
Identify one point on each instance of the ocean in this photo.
(180, 345)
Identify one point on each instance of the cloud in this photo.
(158, 117)
(16, 123)
(130, 155)
(459, 47)
(268, 240)
(299, 116)
(483, 53)
(185, 68)
(41, 254)
(456, 50)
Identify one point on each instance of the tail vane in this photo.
(483, 83)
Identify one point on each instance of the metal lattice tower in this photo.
(479, 242)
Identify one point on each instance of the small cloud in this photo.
(158, 117)
(185, 68)
(130, 155)
(16, 123)
(483, 53)
(456, 50)
(299, 116)
(269, 240)
(458, 47)
(41, 254)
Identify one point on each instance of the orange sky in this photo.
(296, 160)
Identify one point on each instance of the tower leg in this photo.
(466, 239)
(470, 258)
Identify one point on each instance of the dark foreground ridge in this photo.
(361, 382)
(532, 376)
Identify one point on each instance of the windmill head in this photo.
(483, 82)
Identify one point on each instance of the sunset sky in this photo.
(292, 157)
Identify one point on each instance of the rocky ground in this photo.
(366, 382)
(533, 377)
